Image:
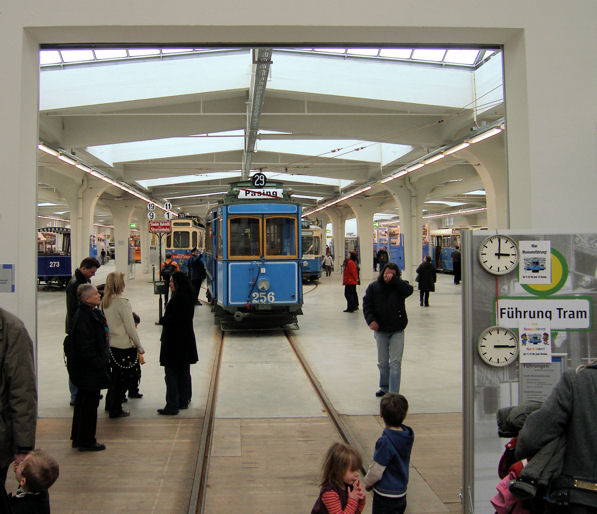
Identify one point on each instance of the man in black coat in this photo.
(385, 313)
(456, 264)
(87, 364)
(82, 275)
(426, 278)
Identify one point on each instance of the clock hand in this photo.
(504, 346)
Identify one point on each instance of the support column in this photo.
(489, 160)
(338, 229)
(145, 241)
(81, 195)
(122, 211)
(364, 210)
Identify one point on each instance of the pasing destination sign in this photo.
(260, 194)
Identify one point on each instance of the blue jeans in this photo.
(390, 346)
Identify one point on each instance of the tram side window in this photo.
(316, 245)
(307, 245)
(244, 237)
(208, 243)
(280, 237)
(180, 239)
(220, 242)
(194, 245)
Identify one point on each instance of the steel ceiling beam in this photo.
(262, 58)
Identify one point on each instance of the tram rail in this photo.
(200, 478)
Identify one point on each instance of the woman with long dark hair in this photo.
(179, 348)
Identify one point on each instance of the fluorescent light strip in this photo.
(97, 174)
(53, 219)
(485, 135)
(456, 148)
(454, 213)
(434, 158)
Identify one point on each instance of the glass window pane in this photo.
(396, 53)
(208, 235)
(194, 245)
(331, 50)
(169, 241)
(307, 245)
(176, 50)
(429, 54)
(363, 51)
(77, 55)
(111, 53)
(461, 56)
(219, 238)
(139, 52)
(316, 246)
(49, 57)
(181, 239)
(244, 237)
(280, 236)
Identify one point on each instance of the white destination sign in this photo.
(562, 313)
(259, 194)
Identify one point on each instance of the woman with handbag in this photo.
(124, 344)
(178, 348)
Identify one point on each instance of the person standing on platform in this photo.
(124, 344)
(82, 275)
(426, 278)
(169, 266)
(382, 257)
(328, 264)
(103, 255)
(456, 257)
(18, 396)
(350, 279)
(87, 363)
(385, 313)
(197, 272)
(178, 348)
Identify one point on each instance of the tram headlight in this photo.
(263, 284)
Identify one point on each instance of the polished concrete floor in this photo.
(270, 427)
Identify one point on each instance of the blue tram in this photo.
(253, 259)
(53, 256)
(312, 250)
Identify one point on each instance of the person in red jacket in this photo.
(350, 279)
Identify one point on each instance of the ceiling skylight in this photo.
(186, 179)
(442, 202)
(308, 179)
(480, 192)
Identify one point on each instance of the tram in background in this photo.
(253, 258)
(53, 256)
(443, 243)
(187, 233)
(312, 248)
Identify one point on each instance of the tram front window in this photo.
(180, 239)
(280, 237)
(244, 237)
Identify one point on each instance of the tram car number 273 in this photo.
(253, 260)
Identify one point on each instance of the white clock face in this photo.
(498, 346)
(498, 254)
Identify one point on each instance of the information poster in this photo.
(535, 262)
(534, 343)
(537, 380)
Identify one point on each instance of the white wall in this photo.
(550, 84)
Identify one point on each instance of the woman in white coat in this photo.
(124, 343)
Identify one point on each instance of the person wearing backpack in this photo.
(168, 267)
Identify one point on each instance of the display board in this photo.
(527, 317)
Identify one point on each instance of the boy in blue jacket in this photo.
(388, 473)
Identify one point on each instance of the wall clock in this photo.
(498, 346)
(498, 254)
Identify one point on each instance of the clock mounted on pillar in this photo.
(498, 254)
(497, 346)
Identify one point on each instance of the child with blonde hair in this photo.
(35, 474)
(341, 491)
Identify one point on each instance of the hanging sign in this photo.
(150, 215)
(167, 215)
(259, 180)
(151, 206)
(160, 227)
(168, 205)
(259, 194)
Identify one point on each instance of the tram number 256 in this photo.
(54, 264)
(263, 297)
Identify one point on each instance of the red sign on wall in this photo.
(160, 227)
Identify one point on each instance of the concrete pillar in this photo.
(411, 198)
(338, 220)
(81, 193)
(145, 240)
(489, 160)
(364, 210)
(122, 211)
